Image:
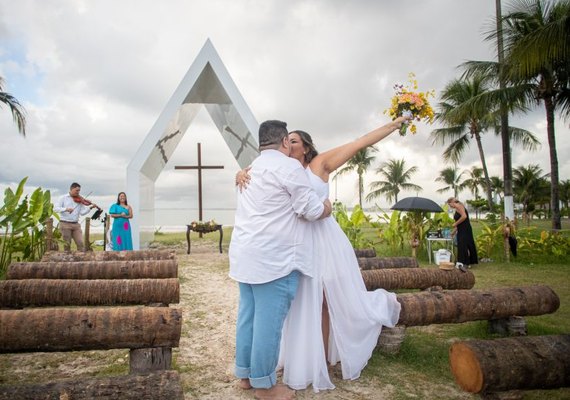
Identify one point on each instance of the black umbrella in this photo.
(417, 204)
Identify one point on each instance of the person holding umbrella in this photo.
(466, 249)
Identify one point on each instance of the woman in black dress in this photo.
(466, 250)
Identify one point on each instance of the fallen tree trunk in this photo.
(95, 292)
(457, 306)
(366, 263)
(417, 278)
(92, 328)
(523, 363)
(365, 252)
(94, 270)
(161, 385)
(129, 255)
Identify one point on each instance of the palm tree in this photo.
(497, 185)
(15, 107)
(528, 183)
(396, 177)
(360, 163)
(462, 123)
(475, 181)
(565, 193)
(536, 64)
(451, 177)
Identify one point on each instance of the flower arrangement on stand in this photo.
(407, 101)
(204, 226)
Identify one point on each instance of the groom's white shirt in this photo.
(272, 234)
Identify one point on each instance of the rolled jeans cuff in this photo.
(242, 373)
(265, 382)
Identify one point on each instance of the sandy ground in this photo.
(206, 353)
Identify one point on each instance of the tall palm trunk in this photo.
(554, 189)
(360, 189)
(485, 172)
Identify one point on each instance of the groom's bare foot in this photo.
(277, 392)
(244, 384)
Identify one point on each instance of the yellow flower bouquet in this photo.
(409, 102)
(204, 226)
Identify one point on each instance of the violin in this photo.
(82, 200)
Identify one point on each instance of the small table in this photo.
(447, 242)
(208, 229)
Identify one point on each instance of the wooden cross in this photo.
(199, 167)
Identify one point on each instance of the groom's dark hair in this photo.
(272, 133)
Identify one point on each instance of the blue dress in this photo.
(121, 231)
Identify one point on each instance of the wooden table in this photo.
(201, 229)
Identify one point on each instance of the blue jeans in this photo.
(262, 311)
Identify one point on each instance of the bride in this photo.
(333, 317)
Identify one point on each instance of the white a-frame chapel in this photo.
(207, 83)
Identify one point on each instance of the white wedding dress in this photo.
(356, 315)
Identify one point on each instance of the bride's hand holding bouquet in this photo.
(407, 102)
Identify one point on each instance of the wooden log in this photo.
(367, 263)
(93, 328)
(521, 363)
(456, 306)
(95, 292)
(160, 385)
(143, 361)
(365, 252)
(111, 255)
(417, 278)
(143, 269)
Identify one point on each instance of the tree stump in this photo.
(128, 255)
(417, 278)
(162, 385)
(95, 292)
(513, 326)
(143, 361)
(391, 339)
(138, 269)
(366, 263)
(523, 363)
(456, 306)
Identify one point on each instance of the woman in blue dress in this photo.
(121, 231)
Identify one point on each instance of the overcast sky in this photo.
(94, 75)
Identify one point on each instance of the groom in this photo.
(271, 245)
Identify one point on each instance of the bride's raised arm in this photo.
(327, 162)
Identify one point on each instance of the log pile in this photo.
(457, 306)
(522, 363)
(366, 263)
(417, 278)
(96, 301)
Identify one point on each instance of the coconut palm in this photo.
(528, 184)
(396, 177)
(15, 107)
(451, 177)
(465, 123)
(536, 64)
(474, 181)
(360, 163)
(497, 185)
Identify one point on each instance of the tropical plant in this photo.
(451, 177)
(464, 123)
(21, 222)
(536, 65)
(18, 112)
(474, 181)
(396, 179)
(565, 193)
(353, 225)
(360, 163)
(391, 230)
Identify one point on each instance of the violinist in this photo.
(70, 207)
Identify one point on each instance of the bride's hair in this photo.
(307, 144)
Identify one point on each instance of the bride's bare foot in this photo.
(277, 392)
(244, 384)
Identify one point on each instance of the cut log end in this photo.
(466, 368)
